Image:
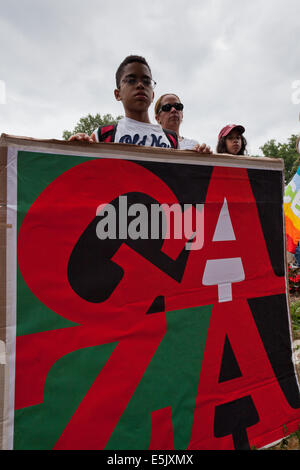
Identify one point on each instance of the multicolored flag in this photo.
(292, 212)
(121, 333)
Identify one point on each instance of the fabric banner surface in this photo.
(125, 334)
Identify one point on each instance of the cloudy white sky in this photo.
(230, 61)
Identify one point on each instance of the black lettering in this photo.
(229, 367)
(271, 317)
(234, 418)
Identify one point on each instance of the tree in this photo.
(286, 151)
(89, 123)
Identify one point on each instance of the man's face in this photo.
(170, 119)
(135, 90)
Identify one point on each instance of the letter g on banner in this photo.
(58, 218)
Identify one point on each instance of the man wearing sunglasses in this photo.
(169, 114)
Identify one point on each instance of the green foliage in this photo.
(89, 123)
(297, 433)
(286, 151)
(295, 315)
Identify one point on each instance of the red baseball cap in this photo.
(225, 131)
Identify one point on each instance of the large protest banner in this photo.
(121, 333)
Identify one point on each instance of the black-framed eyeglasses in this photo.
(167, 107)
(131, 80)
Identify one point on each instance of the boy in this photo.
(134, 88)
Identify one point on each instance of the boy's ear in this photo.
(117, 94)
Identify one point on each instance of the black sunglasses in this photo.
(167, 107)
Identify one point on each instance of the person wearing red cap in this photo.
(231, 140)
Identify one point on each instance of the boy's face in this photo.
(134, 92)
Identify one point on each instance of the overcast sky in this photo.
(230, 61)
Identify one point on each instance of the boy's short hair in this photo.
(128, 60)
